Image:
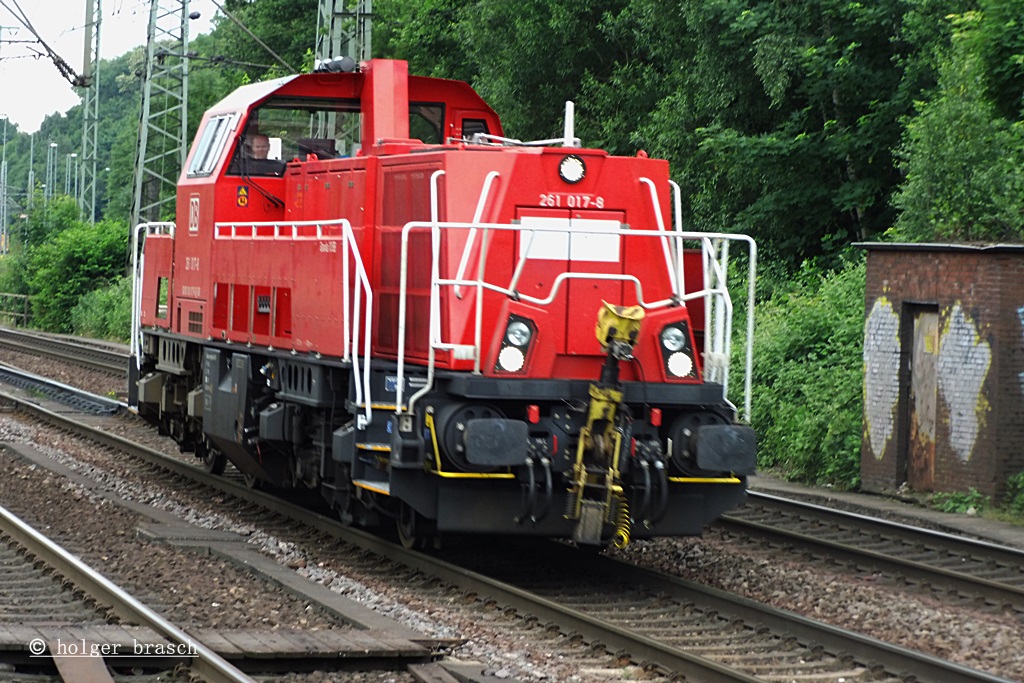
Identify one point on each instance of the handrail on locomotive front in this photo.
(715, 258)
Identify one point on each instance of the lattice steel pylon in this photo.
(343, 28)
(91, 107)
(163, 124)
(3, 194)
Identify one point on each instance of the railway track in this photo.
(670, 625)
(977, 571)
(72, 657)
(95, 357)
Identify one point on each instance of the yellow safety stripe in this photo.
(429, 421)
(368, 487)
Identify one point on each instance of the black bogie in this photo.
(296, 421)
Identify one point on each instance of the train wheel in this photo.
(406, 523)
(415, 530)
(213, 460)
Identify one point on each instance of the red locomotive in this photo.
(371, 293)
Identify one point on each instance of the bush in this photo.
(959, 502)
(105, 313)
(1014, 500)
(68, 265)
(808, 378)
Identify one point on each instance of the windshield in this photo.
(283, 129)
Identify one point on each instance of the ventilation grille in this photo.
(195, 322)
(306, 383)
(171, 356)
(298, 379)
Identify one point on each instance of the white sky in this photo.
(31, 88)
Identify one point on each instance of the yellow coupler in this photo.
(617, 330)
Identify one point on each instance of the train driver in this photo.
(257, 146)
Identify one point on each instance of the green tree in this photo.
(427, 34)
(783, 117)
(71, 263)
(286, 27)
(964, 161)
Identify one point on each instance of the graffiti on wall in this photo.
(963, 364)
(881, 373)
(1020, 375)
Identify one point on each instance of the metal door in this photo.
(923, 395)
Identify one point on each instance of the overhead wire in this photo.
(252, 35)
(63, 67)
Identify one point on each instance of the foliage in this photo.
(426, 34)
(964, 160)
(286, 27)
(71, 263)
(14, 271)
(106, 312)
(46, 218)
(808, 378)
(959, 502)
(780, 119)
(1013, 502)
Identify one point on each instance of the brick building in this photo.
(943, 367)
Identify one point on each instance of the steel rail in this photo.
(71, 396)
(91, 357)
(902, 661)
(206, 662)
(954, 542)
(996, 592)
(665, 656)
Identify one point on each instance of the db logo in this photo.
(242, 195)
(193, 213)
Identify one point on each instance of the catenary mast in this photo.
(91, 108)
(163, 124)
(343, 29)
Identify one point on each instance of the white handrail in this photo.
(435, 234)
(677, 203)
(661, 226)
(364, 280)
(282, 231)
(352, 302)
(477, 215)
(715, 288)
(138, 268)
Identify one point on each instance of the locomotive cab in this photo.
(375, 295)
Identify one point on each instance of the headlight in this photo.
(518, 333)
(511, 359)
(680, 365)
(672, 338)
(572, 169)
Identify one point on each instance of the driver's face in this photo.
(260, 148)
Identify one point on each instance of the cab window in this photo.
(426, 123)
(211, 144)
(283, 129)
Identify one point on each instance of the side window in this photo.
(426, 122)
(211, 144)
(471, 127)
